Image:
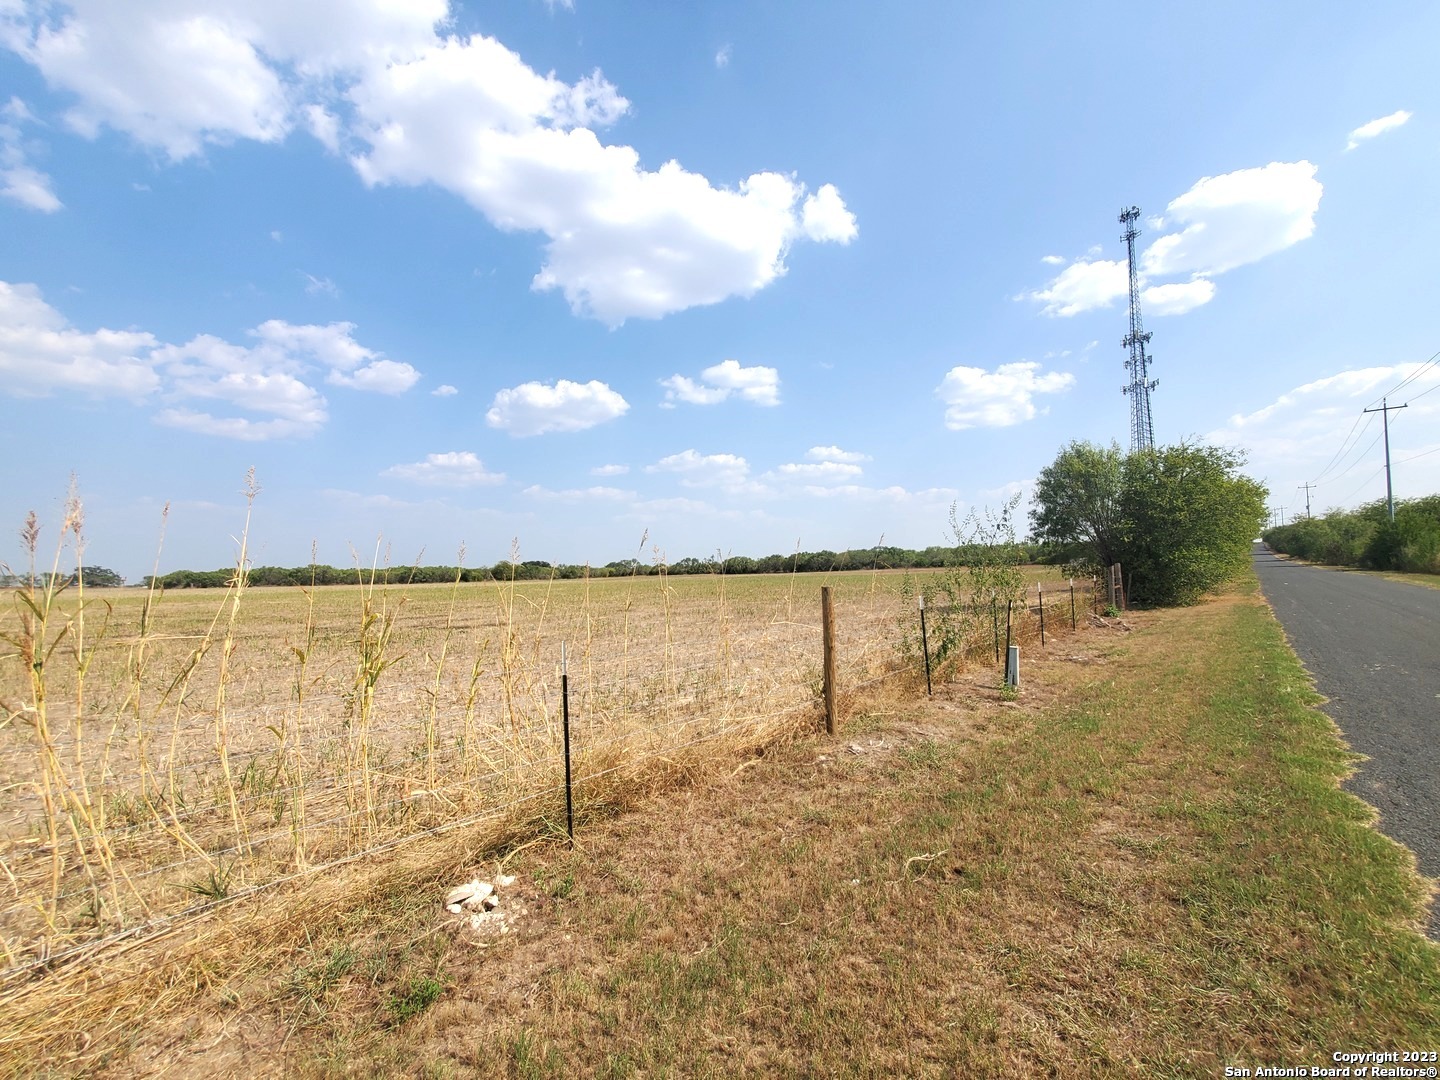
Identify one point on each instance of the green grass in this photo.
(1153, 872)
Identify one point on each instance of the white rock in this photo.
(491, 902)
(454, 909)
(504, 881)
(472, 891)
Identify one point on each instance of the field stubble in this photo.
(171, 752)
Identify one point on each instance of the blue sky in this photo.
(729, 276)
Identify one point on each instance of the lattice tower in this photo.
(1142, 428)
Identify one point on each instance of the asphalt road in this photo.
(1373, 647)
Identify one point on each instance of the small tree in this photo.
(1077, 504)
(1180, 519)
(982, 578)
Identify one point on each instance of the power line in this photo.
(1363, 484)
(1410, 378)
(1358, 459)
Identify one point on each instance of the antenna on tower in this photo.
(1142, 428)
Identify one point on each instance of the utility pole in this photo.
(1142, 428)
(1282, 517)
(1307, 488)
(1385, 410)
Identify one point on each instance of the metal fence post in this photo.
(565, 720)
(925, 648)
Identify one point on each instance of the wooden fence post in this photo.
(827, 621)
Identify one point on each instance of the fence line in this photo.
(331, 775)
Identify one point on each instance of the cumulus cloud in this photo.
(208, 385)
(179, 74)
(1084, 285)
(817, 472)
(610, 470)
(1222, 222)
(824, 216)
(759, 385)
(20, 181)
(1311, 433)
(377, 81)
(334, 346)
(456, 469)
(1368, 131)
(704, 470)
(41, 353)
(444, 390)
(1237, 218)
(834, 453)
(1177, 297)
(975, 397)
(535, 408)
(722, 56)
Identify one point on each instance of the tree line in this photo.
(802, 562)
(1366, 537)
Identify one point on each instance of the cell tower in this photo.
(1142, 429)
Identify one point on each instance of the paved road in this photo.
(1373, 647)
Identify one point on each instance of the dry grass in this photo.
(303, 750)
(1144, 865)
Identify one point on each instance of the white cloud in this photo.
(597, 493)
(323, 285)
(261, 380)
(178, 74)
(824, 217)
(376, 78)
(333, 345)
(1224, 222)
(1084, 285)
(834, 453)
(704, 470)
(378, 376)
(759, 385)
(823, 472)
(456, 469)
(1237, 218)
(1377, 127)
(623, 242)
(1053, 260)
(41, 353)
(20, 181)
(324, 125)
(610, 470)
(1316, 432)
(722, 56)
(1177, 297)
(683, 388)
(535, 408)
(444, 390)
(978, 398)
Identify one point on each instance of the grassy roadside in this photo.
(1145, 864)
